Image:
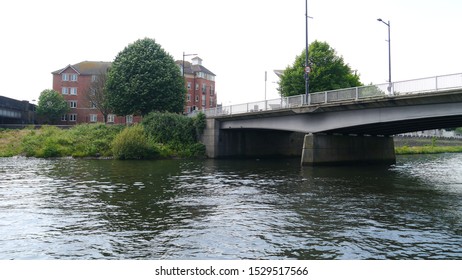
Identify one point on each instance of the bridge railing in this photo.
(416, 86)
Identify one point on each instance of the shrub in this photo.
(132, 143)
(170, 128)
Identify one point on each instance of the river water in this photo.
(230, 209)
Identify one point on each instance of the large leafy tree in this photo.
(144, 78)
(328, 72)
(52, 105)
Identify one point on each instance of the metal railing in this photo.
(432, 84)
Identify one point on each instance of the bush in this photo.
(170, 128)
(132, 143)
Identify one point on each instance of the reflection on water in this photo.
(103, 209)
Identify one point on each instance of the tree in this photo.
(97, 94)
(144, 78)
(51, 105)
(328, 72)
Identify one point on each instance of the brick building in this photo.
(200, 85)
(74, 82)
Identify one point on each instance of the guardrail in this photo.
(416, 86)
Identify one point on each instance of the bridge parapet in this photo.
(380, 91)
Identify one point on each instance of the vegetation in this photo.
(177, 133)
(328, 72)
(405, 150)
(51, 105)
(133, 143)
(97, 94)
(144, 78)
(161, 135)
(88, 140)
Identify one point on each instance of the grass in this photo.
(405, 150)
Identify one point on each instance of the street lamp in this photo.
(389, 53)
(183, 61)
(307, 68)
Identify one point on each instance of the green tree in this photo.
(52, 105)
(144, 78)
(328, 72)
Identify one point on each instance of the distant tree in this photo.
(144, 78)
(52, 105)
(328, 72)
(97, 94)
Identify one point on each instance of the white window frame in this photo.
(63, 118)
(129, 119)
(93, 118)
(72, 117)
(65, 90)
(65, 77)
(73, 104)
(110, 118)
(74, 78)
(73, 91)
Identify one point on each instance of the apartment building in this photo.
(74, 83)
(200, 85)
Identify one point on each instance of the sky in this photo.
(238, 40)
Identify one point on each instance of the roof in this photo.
(87, 67)
(191, 69)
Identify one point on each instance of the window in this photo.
(197, 86)
(63, 118)
(197, 98)
(64, 77)
(93, 118)
(129, 119)
(203, 100)
(93, 78)
(73, 91)
(211, 90)
(74, 77)
(204, 88)
(73, 117)
(211, 101)
(110, 118)
(188, 109)
(92, 105)
(189, 85)
(65, 90)
(189, 97)
(73, 104)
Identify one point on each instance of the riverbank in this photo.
(97, 140)
(424, 145)
(160, 135)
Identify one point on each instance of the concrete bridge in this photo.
(341, 126)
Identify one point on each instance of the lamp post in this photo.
(389, 53)
(307, 68)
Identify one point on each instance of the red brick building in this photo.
(73, 82)
(200, 85)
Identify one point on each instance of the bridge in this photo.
(339, 126)
(13, 111)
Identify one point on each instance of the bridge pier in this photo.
(323, 149)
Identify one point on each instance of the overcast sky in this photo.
(238, 40)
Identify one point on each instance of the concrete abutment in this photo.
(323, 149)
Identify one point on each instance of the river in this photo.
(230, 209)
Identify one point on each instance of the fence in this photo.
(432, 84)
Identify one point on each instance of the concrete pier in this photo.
(323, 149)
